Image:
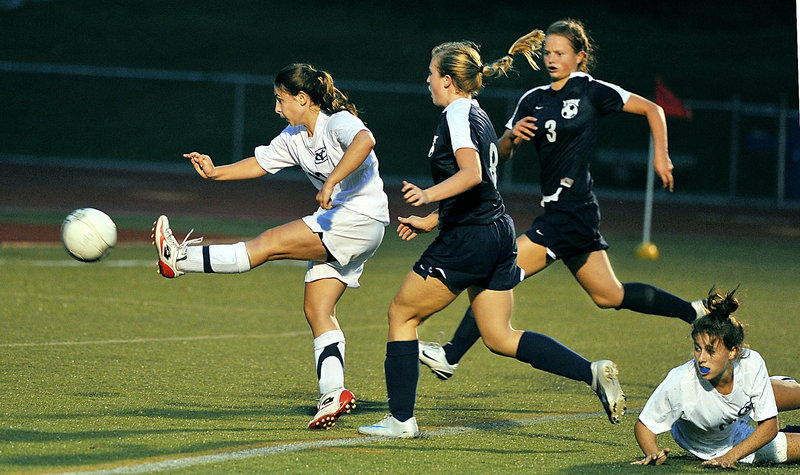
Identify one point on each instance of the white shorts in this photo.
(773, 452)
(350, 237)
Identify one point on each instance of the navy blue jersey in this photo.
(568, 123)
(465, 125)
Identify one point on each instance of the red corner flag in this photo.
(673, 107)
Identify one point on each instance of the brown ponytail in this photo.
(461, 60)
(318, 84)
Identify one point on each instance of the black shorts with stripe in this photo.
(569, 228)
(483, 255)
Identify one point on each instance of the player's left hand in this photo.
(324, 196)
(412, 226)
(414, 195)
(663, 167)
(721, 462)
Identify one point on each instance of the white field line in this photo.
(174, 338)
(151, 340)
(183, 462)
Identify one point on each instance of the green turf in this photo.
(105, 365)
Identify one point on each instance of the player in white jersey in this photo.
(335, 150)
(709, 402)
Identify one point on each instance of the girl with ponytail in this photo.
(562, 120)
(475, 248)
(327, 140)
(709, 402)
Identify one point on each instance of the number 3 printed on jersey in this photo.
(550, 125)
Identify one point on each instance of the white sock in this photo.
(699, 308)
(219, 258)
(330, 346)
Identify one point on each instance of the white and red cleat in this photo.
(169, 251)
(331, 406)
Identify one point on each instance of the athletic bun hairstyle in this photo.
(721, 306)
(720, 323)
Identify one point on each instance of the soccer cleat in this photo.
(169, 251)
(605, 383)
(330, 407)
(391, 427)
(433, 356)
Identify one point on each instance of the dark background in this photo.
(703, 50)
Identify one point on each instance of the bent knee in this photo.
(500, 346)
(612, 300)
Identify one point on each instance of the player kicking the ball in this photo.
(335, 149)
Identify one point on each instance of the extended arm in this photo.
(658, 128)
(241, 170)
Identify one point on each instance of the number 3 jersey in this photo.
(568, 123)
(465, 125)
(361, 191)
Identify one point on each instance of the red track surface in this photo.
(47, 188)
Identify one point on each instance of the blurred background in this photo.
(134, 84)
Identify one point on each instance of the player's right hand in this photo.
(202, 164)
(524, 129)
(657, 457)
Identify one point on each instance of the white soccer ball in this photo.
(88, 234)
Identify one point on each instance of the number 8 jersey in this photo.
(568, 123)
(465, 125)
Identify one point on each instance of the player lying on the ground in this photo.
(335, 150)
(709, 402)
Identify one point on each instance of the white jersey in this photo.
(361, 191)
(703, 421)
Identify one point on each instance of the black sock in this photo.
(402, 373)
(465, 336)
(645, 298)
(546, 354)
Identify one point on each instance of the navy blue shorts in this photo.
(483, 255)
(569, 229)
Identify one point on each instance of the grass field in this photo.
(107, 366)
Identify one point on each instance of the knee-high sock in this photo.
(329, 357)
(219, 258)
(402, 374)
(546, 354)
(645, 298)
(465, 336)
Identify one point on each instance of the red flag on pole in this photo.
(673, 107)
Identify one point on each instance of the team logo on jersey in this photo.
(570, 108)
(746, 408)
(430, 152)
(320, 156)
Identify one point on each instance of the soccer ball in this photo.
(88, 234)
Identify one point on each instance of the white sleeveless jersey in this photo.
(361, 191)
(702, 420)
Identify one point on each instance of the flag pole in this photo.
(648, 250)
